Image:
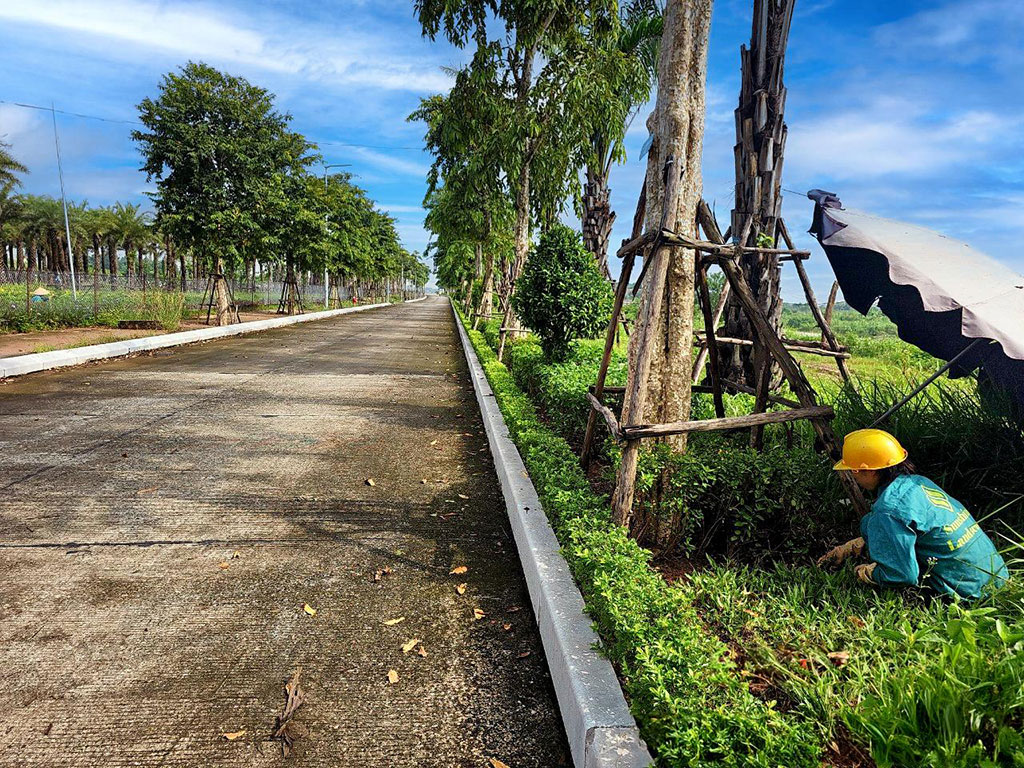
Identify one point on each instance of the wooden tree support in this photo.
(209, 300)
(290, 296)
(769, 344)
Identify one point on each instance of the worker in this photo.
(915, 534)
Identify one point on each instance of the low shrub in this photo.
(693, 708)
(562, 294)
(167, 308)
(725, 498)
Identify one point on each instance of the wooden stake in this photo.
(826, 330)
(815, 413)
(613, 325)
(793, 374)
(709, 330)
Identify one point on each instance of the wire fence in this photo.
(44, 299)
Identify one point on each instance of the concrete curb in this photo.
(61, 358)
(601, 731)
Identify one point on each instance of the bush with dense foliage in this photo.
(562, 294)
(798, 667)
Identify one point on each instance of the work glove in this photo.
(836, 556)
(865, 572)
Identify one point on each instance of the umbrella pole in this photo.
(920, 387)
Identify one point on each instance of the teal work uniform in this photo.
(919, 535)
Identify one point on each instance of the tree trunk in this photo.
(598, 216)
(661, 346)
(220, 284)
(128, 256)
(760, 142)
(522, 246)
(97, 266)
(486, 308)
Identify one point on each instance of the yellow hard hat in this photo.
(871, 449)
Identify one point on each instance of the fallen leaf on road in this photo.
(459, 569)
(514, 608)
(461, 589)
(433, 442)
(410, 644)
(382, 572)
(392, 676)
(506, 627)
(524, 654)
(463, 496)
(422, 651)
(235, 555)
(478, 614)
(234, 735)
(496, 763)
(839, 658)
(370, 481)
(223, 566)
(309, 609)
(423, 481)
(148, 490)
(392, 622)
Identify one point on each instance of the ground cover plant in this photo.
(841, 674)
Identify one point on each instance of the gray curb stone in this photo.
(61, 358)
(601, 731)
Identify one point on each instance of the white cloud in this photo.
(190, 30)
(387, 162)
(961, 31)
(893, 137)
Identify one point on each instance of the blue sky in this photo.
(911, 109)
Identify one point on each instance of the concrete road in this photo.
(164, 520)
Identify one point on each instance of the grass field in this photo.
(789, 665)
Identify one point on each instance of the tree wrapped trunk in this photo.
(598, 216)
(658, 389)
(221, 289)
(760, 142)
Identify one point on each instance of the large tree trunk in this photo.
(760, 142)
(598, 216)
(661, 346)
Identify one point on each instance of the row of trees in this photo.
(236, 190)
(119, 237)
(547, 97)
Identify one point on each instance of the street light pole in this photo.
(327, 288)
(64, 202)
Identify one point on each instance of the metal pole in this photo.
(926, 382)
(64, 202)
(327, 290)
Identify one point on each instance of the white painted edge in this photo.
(600, 729)
(61, 358)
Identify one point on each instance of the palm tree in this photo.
(9, 168)
(131, 231)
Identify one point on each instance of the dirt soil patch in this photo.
(15, 344)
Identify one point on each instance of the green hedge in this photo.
(693, 708)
